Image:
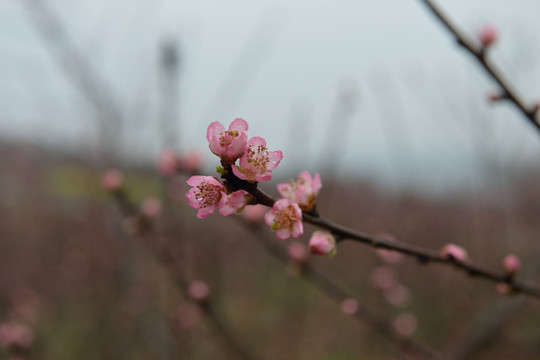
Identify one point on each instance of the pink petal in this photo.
(283, 234)
(237, 171)
(212, 135)
(269, 218)
(192, 199)
(239, 124)
(196, 180)
(205, 211)
(298, 229)
(256, 141)
(274, 158)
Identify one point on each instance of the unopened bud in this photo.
(322, 243)
(454, 252)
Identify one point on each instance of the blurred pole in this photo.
(80, 72)
(170, 62)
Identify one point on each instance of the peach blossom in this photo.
(229, 144)
(285, 218)
(257, 162)
(302, 191)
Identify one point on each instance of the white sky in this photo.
(420, 115)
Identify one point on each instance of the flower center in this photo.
(208, 194)
(227, 137)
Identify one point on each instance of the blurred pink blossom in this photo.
(229, 144)
(254, 213)
(390, 257)
(406, 324)
(285, 218)
(191, 161)
(454, 252)
(188, 316)
(199, 290)
(511, 264)
(297, 251)
(349, 306)
(168, 162)
(322, 243)
(16, 335)
(151, 207)
(503, 288)
(112, 180)
(302, 191)
(488, 34)
(398, 295)
(384, 277)
(257, 162)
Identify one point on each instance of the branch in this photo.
(480, 54)
(424, 256)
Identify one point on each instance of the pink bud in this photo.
(322, 243)
(487, 35)
(199, 290)
(112, 180)
(454, 252)
(511, 264)
(406, 324)
(151, 207)
(349, 306)
(493, 97)
(297, 251)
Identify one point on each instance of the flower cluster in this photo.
(255, 164)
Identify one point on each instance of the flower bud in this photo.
(454, 252)
(349, 306)
(112, 180)
(322, 243)
(151, 207)
(199, 290)
(511, 264)
(487, 35)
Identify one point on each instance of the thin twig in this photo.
(424, 256)
(479, 52)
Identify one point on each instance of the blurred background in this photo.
(374, 95)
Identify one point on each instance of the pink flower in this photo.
(454, 252)
(349, 306)
(112, 180)
(303, 191)
(285, 218)
(322, 243)
(16, 335)
(297, 252)
(488, 35)
(168, 162)
(208, 193)
(199, 290)
(151, 207)
(205, 195)
(257, 162)
(405, 324)
(384, 277)
(511, 264)
(230, 144)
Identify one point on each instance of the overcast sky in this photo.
(412, 103)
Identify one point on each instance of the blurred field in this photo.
(90, 290)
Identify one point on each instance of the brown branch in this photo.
(479, 52)
(424, 256)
